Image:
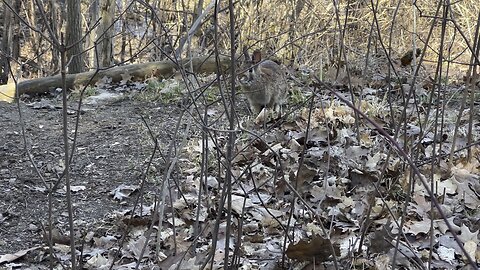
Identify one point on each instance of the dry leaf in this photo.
(318, 248)
(12, 257)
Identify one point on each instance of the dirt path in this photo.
(112, 148)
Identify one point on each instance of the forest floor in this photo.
(343, 180)
(111, 152)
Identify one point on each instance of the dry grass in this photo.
(299, 32)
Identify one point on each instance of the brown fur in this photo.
(264, 83)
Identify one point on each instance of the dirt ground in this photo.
(113, 147)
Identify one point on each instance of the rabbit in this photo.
(264, 83)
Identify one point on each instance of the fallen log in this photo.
(138, 72)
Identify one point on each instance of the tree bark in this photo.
(105, 34)
(90, 41)
(55, 24)
(74, 35)
(6, 43)
(10, 40)
(34, 40)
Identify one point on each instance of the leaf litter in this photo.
(348, 181)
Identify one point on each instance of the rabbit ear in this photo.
(257, 56)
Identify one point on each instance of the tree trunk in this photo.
(56, 22)
(123, 43)
(90, 41)
(10, 41)
(6, 45)
(105, 34)
(73, 37)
